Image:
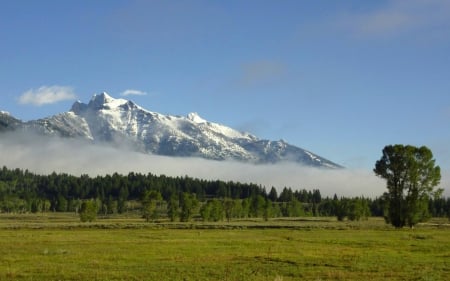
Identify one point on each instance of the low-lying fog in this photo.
(44, 155)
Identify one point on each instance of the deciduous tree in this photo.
(188, 204)
(172, 207)
(411, 176)
(88, 211)
(150, 201)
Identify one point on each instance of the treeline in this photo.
(178, 198)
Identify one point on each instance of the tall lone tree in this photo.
(411, 175)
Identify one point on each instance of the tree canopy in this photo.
(159, 196)
(411, 176)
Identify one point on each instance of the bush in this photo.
(88, 211)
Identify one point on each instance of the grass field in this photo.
(58, 247)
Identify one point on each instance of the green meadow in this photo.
(59, 247)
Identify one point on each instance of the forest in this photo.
(179, 198)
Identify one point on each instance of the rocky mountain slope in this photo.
(106, 120)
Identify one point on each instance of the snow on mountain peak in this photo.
(194, 117)
(104, 100)
(117, 121)
(101, 98)
(78, 107)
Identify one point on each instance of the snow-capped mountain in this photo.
(119, 121)
(7, 122)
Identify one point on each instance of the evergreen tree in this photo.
(61, 204)
(286, 195)
(273, 195)
(121, 202)
(257, 205)
(340, 208)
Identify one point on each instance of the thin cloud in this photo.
(399, 17)
(47, 95)
(131, 92)
(257, 72)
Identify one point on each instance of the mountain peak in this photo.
(117, 121)
(194, 117)
(103, 100)
(78, 107)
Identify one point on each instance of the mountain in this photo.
(8, 123)
(121, 122)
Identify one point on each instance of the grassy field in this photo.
(58, 247)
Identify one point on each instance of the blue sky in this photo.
(340, 78)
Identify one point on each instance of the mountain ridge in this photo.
(105, 119)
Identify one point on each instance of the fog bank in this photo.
(43, 155)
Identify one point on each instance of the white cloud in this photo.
(47, 95)
(131, 92)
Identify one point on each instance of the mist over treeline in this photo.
(24, 191)
(44, 155)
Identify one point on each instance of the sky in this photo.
(339, 78)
